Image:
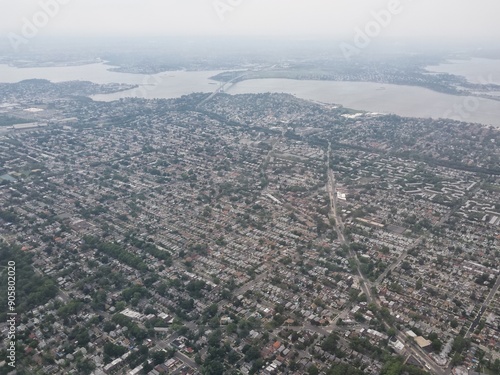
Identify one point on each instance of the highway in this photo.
(221, 89)
(483, 308)
(365, 284)
(223, 86)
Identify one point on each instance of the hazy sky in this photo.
(328, 18)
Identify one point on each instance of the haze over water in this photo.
(375, 97)
(475, 70)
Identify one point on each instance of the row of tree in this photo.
(116, 251)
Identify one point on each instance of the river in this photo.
(374, 97)
(408, 101)
(475, 70)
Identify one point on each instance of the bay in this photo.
(475, 70)
(408, 101)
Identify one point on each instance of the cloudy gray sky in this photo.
(327, 18)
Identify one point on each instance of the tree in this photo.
(460, 343)
(147, 367)
(330, 343)
(215, 338)
(456, 359)
(313, 370)
(233, 357)
(85, 366)
(495, 367)
(437, 345)
(159, 357)
(344, 369)
(257, 365)
(114, 350)
(279, 309)
(391, 332)
(232, 328)
(197, 359)
(252, 353)
(213, 368)
(293, 365)
(211, 311)
(393, 367)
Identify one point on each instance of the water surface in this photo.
(374, 97)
